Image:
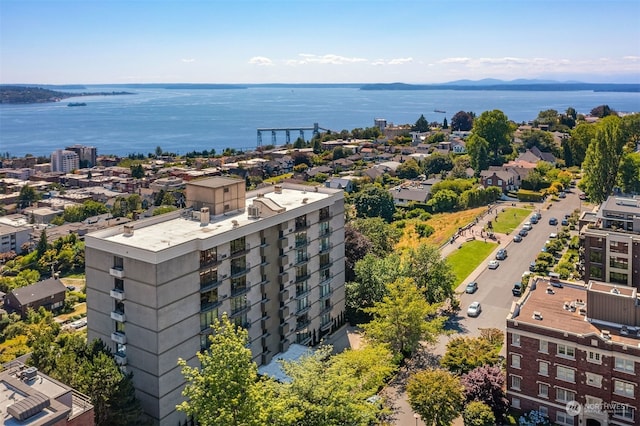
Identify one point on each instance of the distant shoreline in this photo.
(37, 95)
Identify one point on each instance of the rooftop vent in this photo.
(128, 231)
(277, 189)
(624, 330)
(550, 290)
(606, 334)
(235, 223)
(304, 200)
(204, 216)
(253, 211)
(537, 315)
(29, 373)
(615, 290)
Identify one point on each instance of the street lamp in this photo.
(416, 416)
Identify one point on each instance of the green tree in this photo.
(219, 390)
(602, 160)
(43, 244)
(477, 413)
(374, 201)
(466, 353)
(430, 272)
(443, 201)
(578, 142)
(437, 163)
(159, 151)
(137, 171)
(478, 149)
(27, 196)
(436, 395)
(629, 173)
(369, 287)
(383, 236)
(494, 127)
(602, 111)
(410, 169)
(421, 125)
(401, 319)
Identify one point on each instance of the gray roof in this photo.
(38, 291)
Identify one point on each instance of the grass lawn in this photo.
(79, 309)
(446, 224)
(464, 260)
(277, 179)
(509, 219)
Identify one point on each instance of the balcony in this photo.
(302, 243)
(325, 292)
(302, 225)
(117, 294)
(299, 260)
(237, 291)
(240, 251)
(119, 338)
(326, 308)
(284, 294)
(283, 261)
(302, 292)
(283, 279)
(121, 358)
(118, 316)
(301, 278)
(239, 310)
(284, 312)
(284, 328)
(325, 231)
(326, 326)
(304, 339)
(116, 272)
(303, 310)
(325, 248)
(237, 272)
(327, 264)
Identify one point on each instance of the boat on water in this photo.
(72, 104)
(440, 111)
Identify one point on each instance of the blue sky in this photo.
(317, 41)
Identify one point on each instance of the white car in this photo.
(553, 235)
(493, 264)
(474, 309)
(527, 226)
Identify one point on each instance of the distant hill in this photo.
(515, 85)
(10, 94)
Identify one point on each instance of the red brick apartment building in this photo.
(568, 342)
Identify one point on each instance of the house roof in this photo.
(38, 291)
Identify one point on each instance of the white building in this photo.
(64, 161)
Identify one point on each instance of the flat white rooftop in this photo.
(156, 234)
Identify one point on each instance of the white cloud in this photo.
(400, 61)
(631, 58)
(261, 61)
(188, 61)
(454, 60)
(306, 58)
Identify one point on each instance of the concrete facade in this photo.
(272, 259)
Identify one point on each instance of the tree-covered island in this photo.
(33, 95)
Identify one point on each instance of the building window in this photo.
(623, 388)
(301, 255)
(238, 265)
(618, 278)
(238, 245)
(118, 262)
(595, 272)
(208, 256)
(204, 342)
(324, 228)
(618, 262)
(238, 285)
(565, 395)
(543, 390)
(543, 410)
(118, 284)
(595, 256)
(515, 382)
(208, 277)
(119, 327)
(515, 339)
(562, 418)
(543, 347)
(302, 303)
(207, 318)
(238, 304)
(594, 380)
(624, 411)
(208, 299)
(515, 361)
(301, 239)
(325, 260)
(119, 307)
(301, 222)
(566, 374)
(625, 365)
(543, 368)
(566, 351)
(515, 403)
(301, 272)
(618, 247)
(324, 213)
(325, 319)
(594, 357)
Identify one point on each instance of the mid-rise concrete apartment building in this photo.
(569, 342)
(87, 155)
(272, 259)
(611, 241)
(64, 161)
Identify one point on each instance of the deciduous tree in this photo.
(466, 353)
(477, 413)
(430, 272)
(487, 384)
(462, 121)
(494, 127)
(374, 201)
(436, 395)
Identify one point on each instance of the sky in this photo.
(317, 41)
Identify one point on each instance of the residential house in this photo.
(49, 294)
(504, 179)
(344, 183)
(412, 192)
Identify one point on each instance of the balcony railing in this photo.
(327, 264)
(301, 259)
(236, 272)
(116, 272)
(326, 308)
(325, 231)
(302, 325)
(325, 278)
(121, 358)
(119, 337)
(118, 316)
(237, 291)
(240, 251)
(303, 310)
(302, 292)
(325, 292)
(325, 247)
(240, 310)
(117, 294)
(302, 243)
(300, 278)
(325, 326)
(302, 225)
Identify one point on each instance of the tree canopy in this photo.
(436, 395)
(494, 127)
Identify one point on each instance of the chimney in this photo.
(278, 189)
(204, 216)
(128, 230)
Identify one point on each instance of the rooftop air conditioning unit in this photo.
(606, 334)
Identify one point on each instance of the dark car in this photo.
(523, 232)
(471, 287)
(517, 289)
(517, 238)
(565, 222)
(534, 219)
(501, 254)
(553, 221)
(532, 266)
(583, 196)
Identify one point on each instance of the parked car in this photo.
(501, 254)
(474, 309)
(517, 289)
(527, 226)
(553, 235)
(537, 215)
(523, 232)
(493, 264)
(583, 196)
(565, 222)
(534, 219)
(472, 287)
(562, 195)
(532, 266)
(553, 221)
(517, 238)
(71, 288)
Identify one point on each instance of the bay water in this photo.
(184, 120)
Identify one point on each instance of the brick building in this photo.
(569, 343)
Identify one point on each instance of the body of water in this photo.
(183, 120)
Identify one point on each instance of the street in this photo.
(494, 286)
